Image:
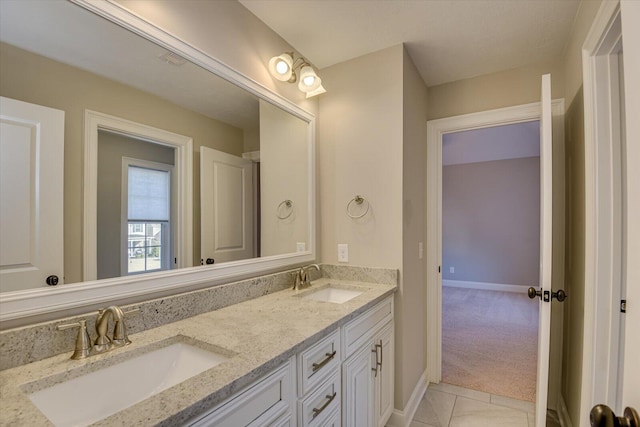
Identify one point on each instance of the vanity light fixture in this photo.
(283, 67)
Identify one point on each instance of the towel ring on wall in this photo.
(358, 200)
(289, 204)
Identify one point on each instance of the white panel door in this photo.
(544, 323)
(226, 206)
(31, 194)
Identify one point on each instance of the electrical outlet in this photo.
(452, 270)
(420, 250)
(343, 252)
(301, 247)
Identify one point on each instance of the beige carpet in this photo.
(489, 341)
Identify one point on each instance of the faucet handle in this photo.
(83, 340)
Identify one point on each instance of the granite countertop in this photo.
(258, 335)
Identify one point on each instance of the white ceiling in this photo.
(493, 143)
(447, 40)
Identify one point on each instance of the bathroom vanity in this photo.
(287, 358)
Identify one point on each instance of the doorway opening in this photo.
(551, 114)
(490, 257)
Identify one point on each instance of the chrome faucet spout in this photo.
(302, 277)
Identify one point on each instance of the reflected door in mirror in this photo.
(226, 197)
(31, 197)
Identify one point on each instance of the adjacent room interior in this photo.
(490, 256)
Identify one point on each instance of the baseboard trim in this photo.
(485, 286)
(402, 418)
(563, 413)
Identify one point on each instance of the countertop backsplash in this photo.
(31, 343)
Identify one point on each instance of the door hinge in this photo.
(623, 306)
(438, 269)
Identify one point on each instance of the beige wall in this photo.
(283, 170)
(497, 90)
(360, 152)
(372, 142)
(572, 55)
(33, 78)
(491, 221)
(410, 307)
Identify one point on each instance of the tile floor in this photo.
(447, 405)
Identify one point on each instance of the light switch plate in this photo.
(301, 247)
(452, 270)
(343, 252)
(420, 250)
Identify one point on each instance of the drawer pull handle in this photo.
(317, 366)
(330, 397)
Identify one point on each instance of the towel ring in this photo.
(358, 201)
(288, 203)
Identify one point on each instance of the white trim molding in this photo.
(403, 418)
(485, 286)
(601, 336)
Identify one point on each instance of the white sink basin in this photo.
(89, 398)
(332, 294)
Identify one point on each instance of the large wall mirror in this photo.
(176, 168)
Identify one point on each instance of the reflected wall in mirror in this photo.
(59, 55)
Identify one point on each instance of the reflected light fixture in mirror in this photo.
(283, 67)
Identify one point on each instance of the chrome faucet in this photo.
(102, 343)
(302, 277)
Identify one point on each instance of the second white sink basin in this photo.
(89, 398)
(332, 294)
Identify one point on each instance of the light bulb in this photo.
(282, 67)
(308, 80)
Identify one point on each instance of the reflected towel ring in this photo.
(358, 200)
(288, 203)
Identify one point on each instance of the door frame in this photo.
(435, 131)
(183, 175)
(603, 276)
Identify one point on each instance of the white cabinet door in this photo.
(384, 380)
(31, 194)
(226, 194)
(357, 389)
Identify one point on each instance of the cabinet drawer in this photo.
(318, 362)
(362, 328)
(322, 403)
(259, 405)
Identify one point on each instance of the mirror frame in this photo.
(51, 302)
